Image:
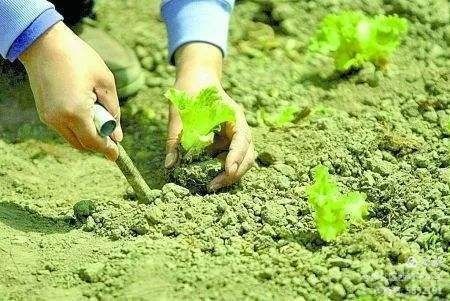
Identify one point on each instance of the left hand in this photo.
(235, 138)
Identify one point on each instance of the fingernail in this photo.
(117, 134)
(170, 160)
(213, 187)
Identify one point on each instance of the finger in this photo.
(87, 135)
(225, 179)
(238, 147)
(107, 97)
(221, 143)
(173, 137)
(71, 138)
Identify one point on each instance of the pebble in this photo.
(90, 224)
(154, 215)
(83, 209)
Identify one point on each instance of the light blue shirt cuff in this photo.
(39, 26)
(196, 21)
(15, 17)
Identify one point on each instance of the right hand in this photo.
(67, 77)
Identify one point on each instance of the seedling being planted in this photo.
(201, 116)
(351, 39)
(333, 211)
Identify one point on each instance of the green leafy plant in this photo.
(333, 211)
(351, 38)
(284, 117)
(201, 116)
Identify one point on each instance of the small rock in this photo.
(312, 280)
(90, 224)
(83, 209)
(154, 216)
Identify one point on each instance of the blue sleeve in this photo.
(196, 21)
(22, 22)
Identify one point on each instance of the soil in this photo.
(381, 132)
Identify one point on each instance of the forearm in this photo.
(196, 21)
(199, 60)
(22, 22)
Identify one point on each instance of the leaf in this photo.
(352, 39)
(332, 210)
(201, 116)
(284, 117)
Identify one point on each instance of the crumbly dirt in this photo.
(381, 132)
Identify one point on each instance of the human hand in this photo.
(67, 77)
(195, 73)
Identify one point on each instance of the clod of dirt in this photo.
(91, 273)
(152, 196)
(196, 175)
(83, 209)
(269, 155)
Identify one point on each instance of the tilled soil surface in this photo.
(381, 132)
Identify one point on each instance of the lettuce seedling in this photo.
(351, 39)
(284, 117)
(201, 116)
(332, 210)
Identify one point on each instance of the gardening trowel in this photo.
(106, 124)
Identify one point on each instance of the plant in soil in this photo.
(333, 211)
(352, 39)
(286, 116)
(202, 116)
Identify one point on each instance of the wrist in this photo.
(199, 61)
(48, 42)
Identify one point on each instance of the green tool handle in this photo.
(132, 175)
(106, 124)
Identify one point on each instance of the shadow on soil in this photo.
(144, 138)
(25, 220)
